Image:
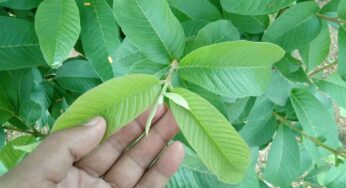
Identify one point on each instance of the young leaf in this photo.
(342, 52)
(220, 147)
(296, 27)
(248, 23)
(196, 9)
(283, 164)
(227, 69)
(254, 7)
(58, 26)
(215, 32)
(317, 50)
(100, 35)
(119, 101)
(178, 99)
(314, 118)
(9, 156)
(335, 87)
(19, 46)
(77, 75)
(21, 5)
(152, 27)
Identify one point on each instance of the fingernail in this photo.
(93, 121)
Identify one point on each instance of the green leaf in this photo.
(178, 99)
(296, 27)
(196, 9)
(216, 32)
(283, 164)
(220, 147)
(126, 55)
(237, 110)
(317, 50)
(248, 23)
(330, 8)
(77, 75)
(58, 26)
(212, 98)
(20, 4)
(254, 7)
(2, 137)
(261, 125)
(194, 174)
(227, 70)
(279, 88)
(19, 46)
(118, 100)
(335, 87)
(100, 35)
(16, 87)
(314, 117)
(30, 111)
(342, 52)
(152, 27)
(291, 68)
(9, 156)
(342, 9)
(192, 27)
(27, 148)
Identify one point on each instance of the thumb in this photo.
(56, 154)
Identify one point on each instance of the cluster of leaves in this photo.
(222, 66)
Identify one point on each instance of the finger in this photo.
(54, 157)
(98, 162)
(132, 165)
(159, 174)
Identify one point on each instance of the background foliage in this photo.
(53, 51)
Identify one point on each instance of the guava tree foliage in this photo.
(245, 80)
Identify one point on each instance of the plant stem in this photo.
(331, 19)
(166, 85)
(290, 125)
(312, 73)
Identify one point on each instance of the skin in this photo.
(73, 157)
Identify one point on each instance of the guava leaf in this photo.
(213, 138)
(152, 27)
(119, 101)
(19, 47)
(233, 69)
(57, 25)
(254, 7)
(296, 27)
(100, 35)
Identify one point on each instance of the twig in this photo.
(312, 73)
(331, 19)
(290, 125)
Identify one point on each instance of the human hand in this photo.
(73, 159)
